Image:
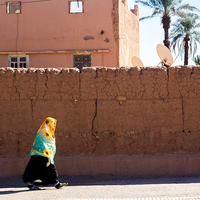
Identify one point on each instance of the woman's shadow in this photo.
(13, 185)
(7, 192)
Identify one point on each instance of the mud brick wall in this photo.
(102, 111)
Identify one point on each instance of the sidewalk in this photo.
(105, 187)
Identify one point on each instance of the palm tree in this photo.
(166, 9)
(197, 60)
(185, 36)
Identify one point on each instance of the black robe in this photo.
(37, 169)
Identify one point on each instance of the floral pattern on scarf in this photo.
(44, 144)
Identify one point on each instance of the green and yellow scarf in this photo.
(44, 144)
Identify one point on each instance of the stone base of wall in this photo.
(138, 166)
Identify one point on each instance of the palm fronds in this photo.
(185, 36)
(197, 60)
(165, 9)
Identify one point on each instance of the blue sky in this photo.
(152, 33)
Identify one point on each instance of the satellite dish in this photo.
(137, 62)
(164, 54)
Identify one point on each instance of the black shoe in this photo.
(33, 187)
(60, 185)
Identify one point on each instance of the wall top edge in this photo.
(98, 69)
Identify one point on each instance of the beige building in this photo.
(64, 33)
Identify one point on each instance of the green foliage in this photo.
(166, 8)
(197, 60)
(185, 30)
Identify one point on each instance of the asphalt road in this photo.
(106, 187)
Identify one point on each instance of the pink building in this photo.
(64, 33)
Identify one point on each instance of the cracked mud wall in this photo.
(102, 111)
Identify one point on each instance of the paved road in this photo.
(104, 187)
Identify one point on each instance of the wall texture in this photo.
(102, 112)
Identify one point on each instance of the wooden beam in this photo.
(75, 51)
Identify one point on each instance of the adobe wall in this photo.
(106, 116)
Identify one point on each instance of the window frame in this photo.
(8, 8)
(82, 61)
(76, 12)
(18, 61)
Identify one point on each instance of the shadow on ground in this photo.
(16, 191)
(88, 180)
(126, 180)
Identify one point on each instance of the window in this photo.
(18, 61)
(76, 6)
(81, 61)
(14, 7)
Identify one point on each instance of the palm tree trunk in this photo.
(186, 40)
(166, 25)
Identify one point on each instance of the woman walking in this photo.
(41, 165)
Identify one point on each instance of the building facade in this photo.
(64, 33)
